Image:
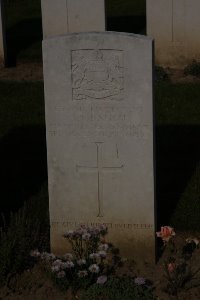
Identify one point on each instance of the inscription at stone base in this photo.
(70, 224)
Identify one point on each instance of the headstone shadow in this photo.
(21, 36)
(23, 166)
(132, 24)
(177, 155)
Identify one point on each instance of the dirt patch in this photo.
(23, 71)
(33, 284)
(178, 76)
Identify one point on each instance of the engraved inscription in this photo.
(130, 226)
(97, 74)
(99, 168)
(99, 122)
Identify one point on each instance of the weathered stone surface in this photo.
(2, 35)
(175, 26)
(99, 120)
(67, 16)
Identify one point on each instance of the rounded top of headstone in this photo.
(103, 34)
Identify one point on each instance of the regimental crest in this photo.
(97, 75)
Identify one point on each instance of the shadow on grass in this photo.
(21, 36)
(132, 24)
(23, 163)
(177, 155)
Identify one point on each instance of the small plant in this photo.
(91, 260)
(161, 74)
(193, 69)
(178, 265)
(17, 238)
(118, 288)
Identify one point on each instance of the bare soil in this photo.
(178, 76)
(24, 71)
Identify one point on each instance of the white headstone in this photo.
(2, 35)
(174, 24)
(99, 120)
(67, 16)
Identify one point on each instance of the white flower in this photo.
(102, 254)
(69, 234)
(68, 264)
(57, 262)
(94, 268)
(94, 255)
(64, 265)
(47, 256)
(103, 247)
(81, 262)
(55, 269)
(82, 273)
(86, 236)
(35, 253)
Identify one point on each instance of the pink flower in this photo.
(139, 280)
(102, 279)
(171, 267)
(166, 233)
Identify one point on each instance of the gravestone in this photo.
(99, 120)
(66, 16)
(2, 35)
(174, 24)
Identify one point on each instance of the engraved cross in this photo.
(99, 168)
